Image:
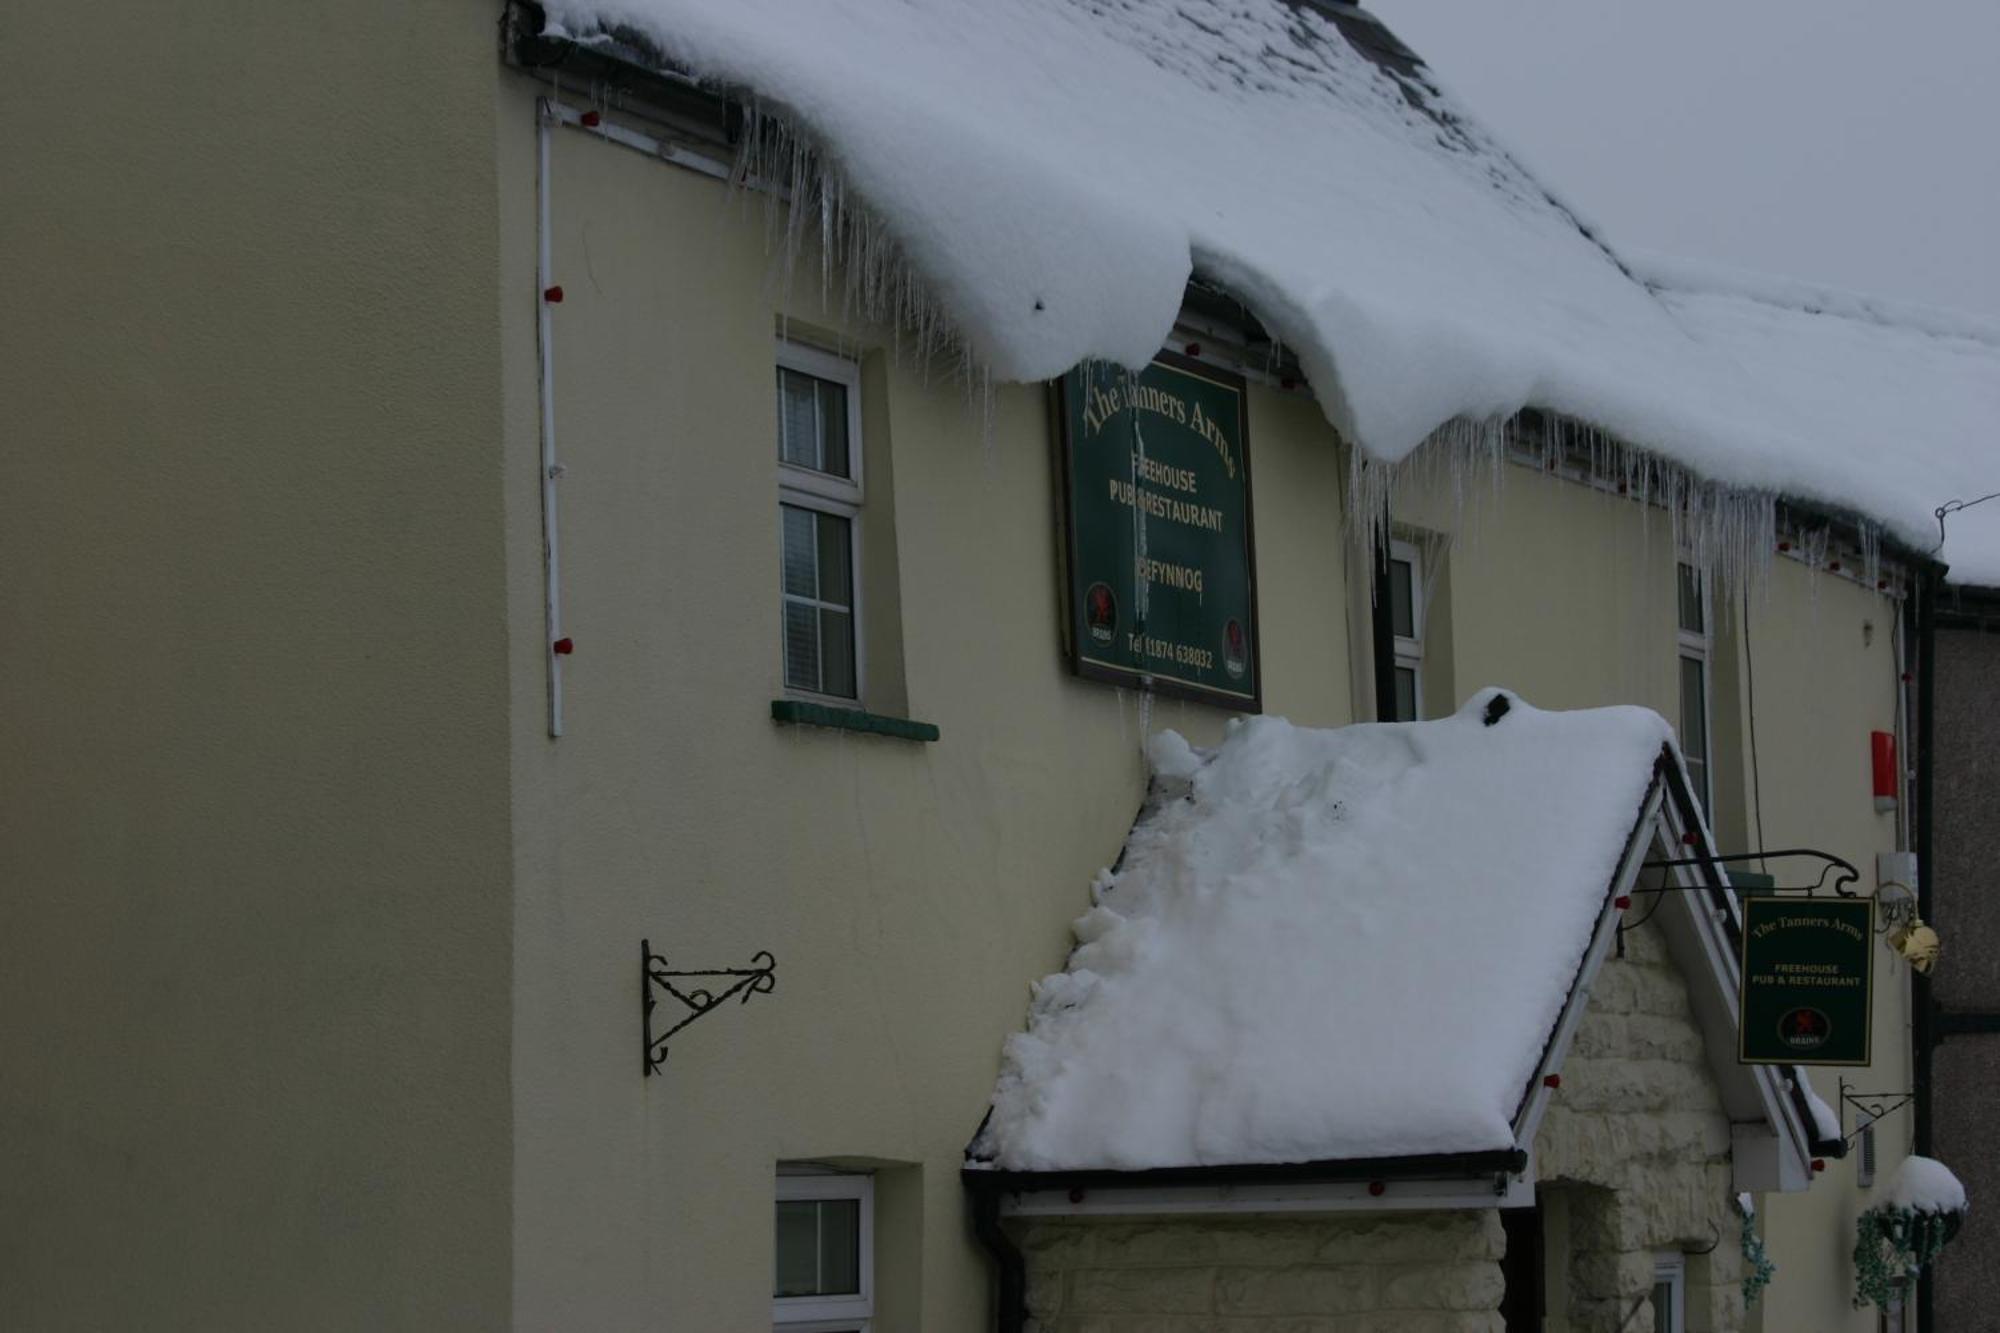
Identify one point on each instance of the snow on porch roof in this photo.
(1329, 944)
(1054, 170)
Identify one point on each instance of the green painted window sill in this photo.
(798, 712)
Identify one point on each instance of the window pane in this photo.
(1691, 609)
(801, 647)
(1402, 599)
(798, 1248)
(1406, 695)
(839, 1246)
(798, 436)
(836, 637)
(833, 428)
(800, 551)
(1663, 1307)
(836, 560)
(819, 1247)
(1694, 709)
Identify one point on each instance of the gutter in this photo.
(1327, 1171)
(1010, 1268)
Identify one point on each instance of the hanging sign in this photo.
(1808, 964)
(1159, 572)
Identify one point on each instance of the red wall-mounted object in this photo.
(1882, 746)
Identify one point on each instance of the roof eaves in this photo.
(1467, 1166)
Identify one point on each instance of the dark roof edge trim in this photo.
(1332, 1171)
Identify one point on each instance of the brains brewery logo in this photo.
(1100, 612)
(1235, 649)
(1804, 1029)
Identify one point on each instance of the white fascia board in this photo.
(1315, 1197)
(1528, 1121)
(666, 150)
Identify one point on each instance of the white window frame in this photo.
(1699, 647)
(1671, 1269)
(1410, 648)
(832, 1314)
(1897, 1318)
(806, 488)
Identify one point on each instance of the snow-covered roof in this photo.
(1330, 944)
(1916, 387)
(1053, 171)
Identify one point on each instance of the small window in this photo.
(825, 1254)
(1670, 1294)
(1696, 654)
(819, 511)
(1406, 619)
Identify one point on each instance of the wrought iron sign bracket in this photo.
(760, 978)
(1876, 1106)
(1845, 876)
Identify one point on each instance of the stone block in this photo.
(1610, 1315)
(1147, 1323)
(1133, 1291)
(1272, 1242)
(1316, 1290)
(1055, 1243)
(1403, 1321)
(1044, 1291)
(1634, 1086)
(1638, 1036)
(1606, 1274)
(1659, 990)
(1443, 1236)
(1166, 1242)
(1469, 1286)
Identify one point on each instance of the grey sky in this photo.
(1845, 142)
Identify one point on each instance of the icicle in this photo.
(1726, 531)
(878, 284)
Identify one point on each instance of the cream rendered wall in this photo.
(908, 891)
(254, 931)
(1557, 591)
(1826, 676)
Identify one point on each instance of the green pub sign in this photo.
(1807, 970)
(1159, 577)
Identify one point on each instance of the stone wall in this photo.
(1635, 1151)
(1340, 1273)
